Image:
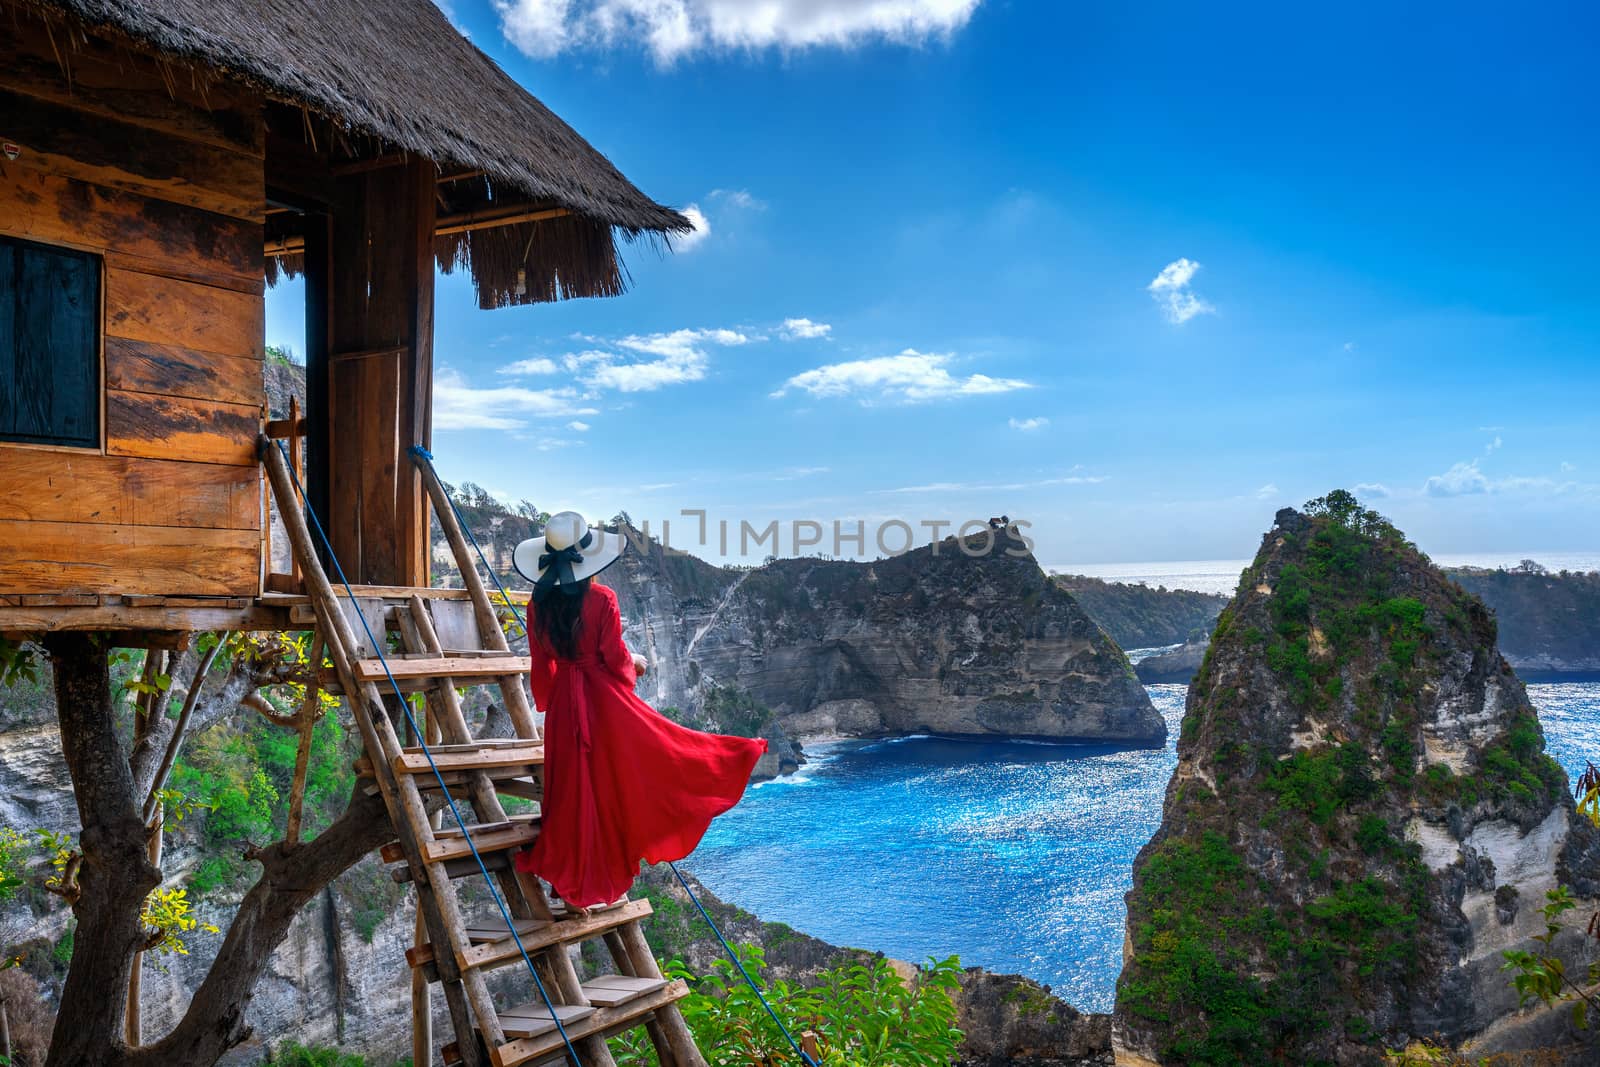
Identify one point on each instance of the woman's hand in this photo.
(640, 665)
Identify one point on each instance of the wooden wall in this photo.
(167, 184)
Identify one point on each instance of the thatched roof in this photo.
(396, 70)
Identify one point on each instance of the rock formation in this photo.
(956, 639)
(1143, 616)
(1549, 624)
(1361, 820)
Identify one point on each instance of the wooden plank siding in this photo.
(37, 556)
(166, 183)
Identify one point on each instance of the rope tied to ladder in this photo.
(422, 738)
(425, 456)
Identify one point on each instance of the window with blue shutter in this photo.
(49, 345)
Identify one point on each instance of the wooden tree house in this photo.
(159, 161)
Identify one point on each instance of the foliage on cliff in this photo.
(1280, 915)
(1548, 621)
(1143, 616)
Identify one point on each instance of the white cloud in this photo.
(672, 29)
(1038, 422)
(684, 242)
(803, 330)
(1463, 479)
(1496, 443)
(1267, 492)
(912, 377)
(536, 365)
(1349, 346)
(1567, 468)
(680, 357)
(459, 406)
(739, 198)
(1172, 292)
(579, 426)
(1372, 490)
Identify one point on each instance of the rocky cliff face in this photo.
(1361, 820)
(1142, 616)
(940, 640)
(1549, 624)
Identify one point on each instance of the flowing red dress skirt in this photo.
(622, 783)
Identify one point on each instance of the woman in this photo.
(622, 783)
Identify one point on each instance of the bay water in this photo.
(1014, 856)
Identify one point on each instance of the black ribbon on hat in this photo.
(555, 568)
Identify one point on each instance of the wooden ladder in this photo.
(444, 649)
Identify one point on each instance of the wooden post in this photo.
(381, 366)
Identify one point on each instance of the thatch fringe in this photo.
(536, 262)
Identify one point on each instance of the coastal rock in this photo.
(1549, 623)
(1010, 1021)
(958, 638)
(1361, 821)
(1174, 666)
(1143, 616)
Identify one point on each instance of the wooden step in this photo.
(507, 781)
(462, 868)
(615, 990)
(564, 931)
(524, 755)
(372, 670)
(604, 1022)
(478, 933)
(452, 845)
(535, 1020)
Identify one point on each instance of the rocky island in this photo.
(1362, 819)
(966, 640)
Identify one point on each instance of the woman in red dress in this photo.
(622, 783)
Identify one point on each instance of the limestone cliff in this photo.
(946, 640)
(1361, 820)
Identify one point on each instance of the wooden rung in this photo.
(463, 868)
(372, 670)
(483, 828)
(509, 781)
(604, 1022)
(534, 1020)
(613, 990)
(478, 932)
(563, 931)
(476, 758)
(503, 839)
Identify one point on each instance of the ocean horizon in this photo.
(1221, 575)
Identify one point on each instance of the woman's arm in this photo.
(542, 677)
(613, 652)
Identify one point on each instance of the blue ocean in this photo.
(1013, 856)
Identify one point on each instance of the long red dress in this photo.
(621, 781)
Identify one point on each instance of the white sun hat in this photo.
(570, 551)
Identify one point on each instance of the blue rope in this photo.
(427, 457)
(421, 735)
(737, 962)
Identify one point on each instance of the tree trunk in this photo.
(116, 874)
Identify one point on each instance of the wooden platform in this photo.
(140, 616)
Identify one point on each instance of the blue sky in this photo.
(1138, 274)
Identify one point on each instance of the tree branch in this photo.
(158, 781)
(290, 878)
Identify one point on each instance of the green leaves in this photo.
(1542, 976)
(860, 1015)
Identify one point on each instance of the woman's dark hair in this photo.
(558, 617)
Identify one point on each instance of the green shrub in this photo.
(863, 1015)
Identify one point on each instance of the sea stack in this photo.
(1362, 820)
(962, 638)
